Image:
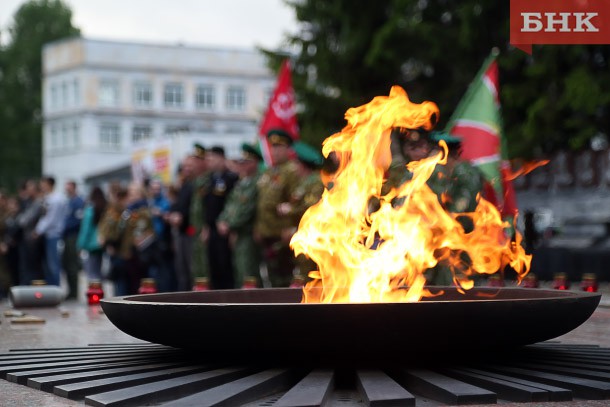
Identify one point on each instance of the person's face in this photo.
(279, 153)
(188, 167)
(134, 193)
(199, 165)
(45, 187)
(155, 188)
(70, 189)
(247, 167)
(416, 150)
(215, 162)
(12, 205)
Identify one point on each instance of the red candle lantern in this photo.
(560, 282)
(589, 283)
(201, 284)
(530, 281)
(95, 292)
(147, 286)
(297, 282)
(250, 283)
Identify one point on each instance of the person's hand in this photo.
(204, 236)
(223, 228)
(284, 208)
(257, 237)
(175, 218)
(232, 240)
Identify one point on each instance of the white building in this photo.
(101, 99)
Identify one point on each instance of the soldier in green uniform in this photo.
(126, 235)
(464, 182)
(200, 266)
(237, 219)
(276, 185)
(457, 184)
(307, 193)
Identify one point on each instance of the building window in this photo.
(75, 135)
(65, 139)
(54, 139)
(173, 95)
(108, 93)
(236, 98)
(205, 97)
(54, 97)
(64, 94)
(177, 128)
(110, 136)
(76, 92)
(141, 133)
(142, 94)
(268, 96)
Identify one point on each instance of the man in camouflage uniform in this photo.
(125, 226)
(306, 194)
(200, 265)
(276, 185)
(456, 184)
(237, 218)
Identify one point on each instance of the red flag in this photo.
(281, 112)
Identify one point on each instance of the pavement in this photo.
(74, 323)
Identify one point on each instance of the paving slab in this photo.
(75, 324)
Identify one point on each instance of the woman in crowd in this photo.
(88, 237)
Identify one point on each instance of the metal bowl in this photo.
(268, 324)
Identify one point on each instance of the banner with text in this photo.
(559, 22)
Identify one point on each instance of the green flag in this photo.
(477, 120)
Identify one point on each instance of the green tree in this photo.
(347, 52)
(35, 23)
(557, 99)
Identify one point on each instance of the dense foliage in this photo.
(34, 24)
(347, 52)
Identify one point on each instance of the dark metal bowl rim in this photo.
(150, 299)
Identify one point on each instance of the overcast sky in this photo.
(234, 23)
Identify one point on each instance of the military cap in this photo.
(308, 155)
(218, 150)
(198, 150)
(437, 136)
(251, 152)
(279, 136)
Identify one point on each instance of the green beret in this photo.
(279, 136)
(251, 152)
(198, 150)
(308, 155)
(437, 136)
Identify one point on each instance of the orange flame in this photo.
(382, 256)
(526, 168)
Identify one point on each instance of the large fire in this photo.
(381, 255)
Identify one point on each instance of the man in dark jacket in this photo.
(70, 258)
(221, 182)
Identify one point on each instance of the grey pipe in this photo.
(35, 296)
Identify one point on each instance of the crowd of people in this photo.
(215, 227)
